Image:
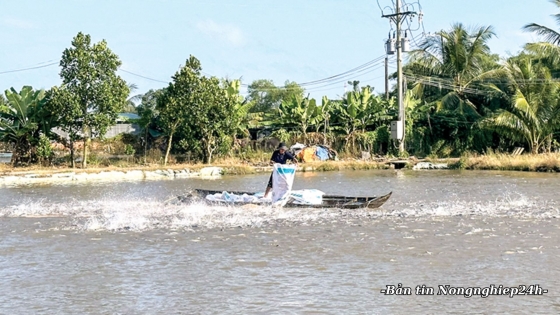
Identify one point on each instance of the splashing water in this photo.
(148, 214)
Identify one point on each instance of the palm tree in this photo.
(549, 34)
(534, 110)
(130, 105)
(453, 61)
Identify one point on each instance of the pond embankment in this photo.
(504, 162)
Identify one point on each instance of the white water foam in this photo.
(140, 215)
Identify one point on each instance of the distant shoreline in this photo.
(499, 162)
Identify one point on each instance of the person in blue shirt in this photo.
(281, 156)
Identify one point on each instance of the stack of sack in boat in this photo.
(300, 197)
(313, 153)
(307, 197)
(230, 197)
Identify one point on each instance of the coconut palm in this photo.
(534, 110)
(130, 105)
(547, 33)
(452, 61)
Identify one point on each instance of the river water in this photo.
(117, 248)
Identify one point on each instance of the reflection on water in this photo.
(116, 248)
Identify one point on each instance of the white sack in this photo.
(282, 181)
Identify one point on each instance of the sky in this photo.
(296, 40)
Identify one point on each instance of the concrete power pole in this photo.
(387, 78)
(398, 127)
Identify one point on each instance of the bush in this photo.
(154, 156)
(44, 149)
(129, 149)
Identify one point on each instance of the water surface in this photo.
(116, 248)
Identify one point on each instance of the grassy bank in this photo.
(229, 167)
(506, 162)
(233, 166)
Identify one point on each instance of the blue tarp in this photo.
(322, 153)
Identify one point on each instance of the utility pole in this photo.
(387, 78)
(399, 78)
(398, 127)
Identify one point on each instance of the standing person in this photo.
(281, 156)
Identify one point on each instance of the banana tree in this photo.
(241, 119)
(323, 117)
(299, 112)
(22, 118)
(354, 113)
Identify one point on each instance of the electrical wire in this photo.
(345, 74)
(30, 68)
(141, 76)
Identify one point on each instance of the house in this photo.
(126, 123)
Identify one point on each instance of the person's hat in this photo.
(282, 146)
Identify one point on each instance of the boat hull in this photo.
(340, 202)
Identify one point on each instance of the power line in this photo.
(144, 77)
(339, 80)
(30, 68)
(347, 73)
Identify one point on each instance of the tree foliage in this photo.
(200, 109)
(266, 96)
(23, 118)
(92, 94)
(534, 110)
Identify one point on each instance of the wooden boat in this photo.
(329, 201)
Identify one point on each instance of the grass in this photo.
(527, 162)
(238, 170)
(327, 166)
(235, 166)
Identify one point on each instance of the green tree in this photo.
(266, 96)
(323, 117)
(147, 110)
(534, 111)
(94, 93)
(298, 112)
(200, 108)
(454, 62)
(549, 34)
(3, 103)
(174, 105)
(355, 112)
(44, 149)
(130, 105)
(213, 112)
(22, 119)
(241, 118)
(63, 105)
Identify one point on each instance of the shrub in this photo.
(44, 149)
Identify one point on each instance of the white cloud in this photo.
(225, 32)
(17, 23)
